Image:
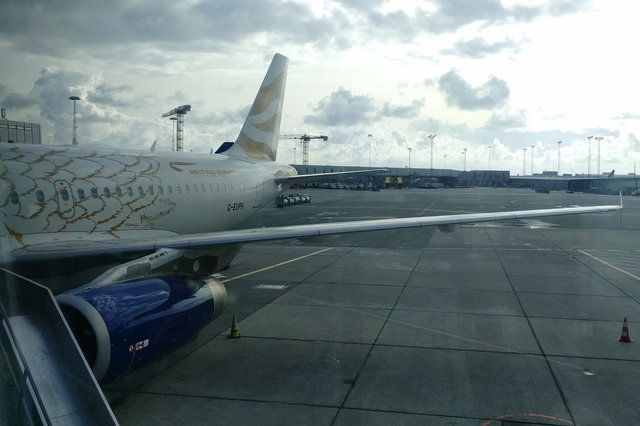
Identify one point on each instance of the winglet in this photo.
(261, 130)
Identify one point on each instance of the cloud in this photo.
(634, 142)
(117, 96)
(401, 111)
(342, 108)
(506, 120)
(458, 92)
(480, 48)
(17, 101)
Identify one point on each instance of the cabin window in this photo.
(160, 189)
(210, 188)
(107, 192)
(140, 191)
(64, 194)
(13, 196)
(202, 188)
(130, 191)
(186, 189)
(224, 186)
(150, 189)
(195, 188)
(39, 196)
(178, 189)
(170, 188)
(94, 193)
(118, 191)
(81, 194)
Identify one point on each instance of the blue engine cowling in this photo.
(126, 325)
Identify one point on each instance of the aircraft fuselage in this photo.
(101, 193)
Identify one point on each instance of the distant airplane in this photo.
(134, 236)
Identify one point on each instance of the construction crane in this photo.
(304, 140)
(178, 112)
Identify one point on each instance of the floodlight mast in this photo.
(532, 146)
(180, 113)
(432, 137)
(173, 133)
(74, 140)
(599, 139)
(589, 157)
(559, 143)
(464, 159)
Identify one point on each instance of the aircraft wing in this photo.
(317, 177)
(90, 248)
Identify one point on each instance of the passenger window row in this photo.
(128, 191)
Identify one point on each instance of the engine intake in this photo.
(126, 325)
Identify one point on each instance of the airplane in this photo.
(129, 240)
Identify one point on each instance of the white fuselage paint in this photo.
(112, 194)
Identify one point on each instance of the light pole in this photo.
(409, 156)
(524, 161)
(173, 132)
(431, 136)
(74, 140)
(464, 160)
(599, 139)
(294, 155)
(589, 157)
(559, 143)
(532, 146)
(445, 161)
(370, 136)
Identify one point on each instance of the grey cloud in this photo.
(634, 141)
(454, 14)
(627, 116)
(458, 92)
(342, 108)
(406, 111)
(78, 28)
(502, 121)
(156, 30)
(54, 87)
(480, 48)
(18, 101)
(567, 7)
(111, 95)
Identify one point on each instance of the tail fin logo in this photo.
(260, 132)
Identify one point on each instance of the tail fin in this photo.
(261, 130)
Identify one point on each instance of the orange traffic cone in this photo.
(624, 337)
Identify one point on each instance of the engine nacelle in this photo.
(126, 325)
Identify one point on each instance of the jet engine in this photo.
(123, 326)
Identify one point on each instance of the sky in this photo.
(490, 77)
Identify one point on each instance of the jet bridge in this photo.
(45, 378)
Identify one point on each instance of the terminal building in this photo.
(607, 183)
(18, 131)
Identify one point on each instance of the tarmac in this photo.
(512, 322)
